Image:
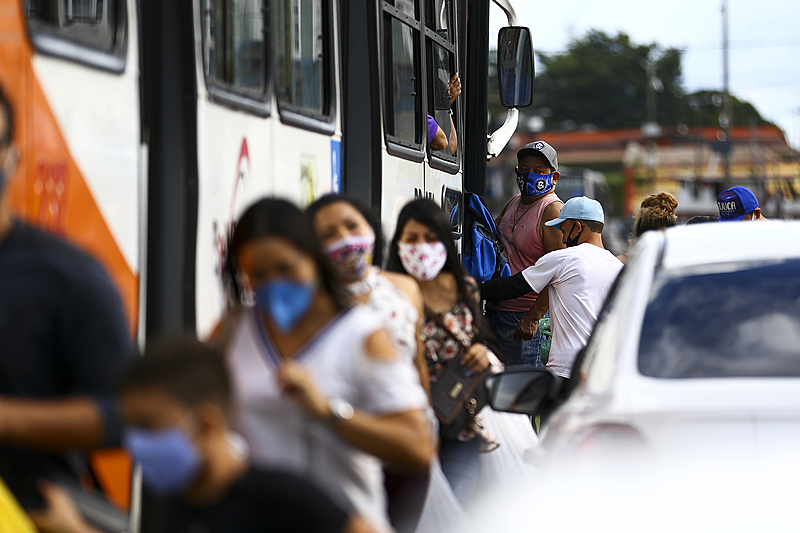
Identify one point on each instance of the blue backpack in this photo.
(482, 250)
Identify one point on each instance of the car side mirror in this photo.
(530, 391)
(515, 66)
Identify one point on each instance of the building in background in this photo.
(686, 161)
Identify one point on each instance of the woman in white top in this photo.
(351, 237)
(321, 389)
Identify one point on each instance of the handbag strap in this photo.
(436, 318)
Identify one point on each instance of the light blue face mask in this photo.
(532, 184)
(285, 302)
(169, 459)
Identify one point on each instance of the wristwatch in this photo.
(340, 411)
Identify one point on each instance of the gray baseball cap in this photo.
(540, 148)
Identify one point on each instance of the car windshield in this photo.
(734, 322)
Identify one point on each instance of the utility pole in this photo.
(727, 105)
(652, 129)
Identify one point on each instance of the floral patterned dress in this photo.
(441, 347)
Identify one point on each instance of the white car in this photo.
(689, 388)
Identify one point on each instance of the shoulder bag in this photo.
(458, 394)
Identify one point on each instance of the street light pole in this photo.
(651, 132)
(650, 128)
(727, 106)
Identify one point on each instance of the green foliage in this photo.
(601, 80)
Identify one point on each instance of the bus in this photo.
(146, 127)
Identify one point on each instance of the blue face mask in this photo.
(285, 302)
(532, 184)
(169, 459)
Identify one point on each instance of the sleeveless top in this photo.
(523, 246)
(398, 315)
(282, 435)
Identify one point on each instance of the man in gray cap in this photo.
(577, 281)
(525, 239)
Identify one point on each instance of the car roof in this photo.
(726, 242)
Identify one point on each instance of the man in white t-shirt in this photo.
(578, 280)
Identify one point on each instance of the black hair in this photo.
(8, 135)
(367, 213)
(593, 225)
(187, 370)
(430, 215)
(701, 219)
(272, 217)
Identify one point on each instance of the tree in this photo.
(602, 81)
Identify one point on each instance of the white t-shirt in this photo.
(579, 279)
(282, 435)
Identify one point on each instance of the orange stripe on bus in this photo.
(48, 190)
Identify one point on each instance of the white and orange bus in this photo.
(146, 126)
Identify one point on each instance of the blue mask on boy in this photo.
(532, 184)
(285, 302)
(170, 461)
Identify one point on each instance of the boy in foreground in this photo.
(176, 403)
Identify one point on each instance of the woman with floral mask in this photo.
(423, 247)
(350, 234)
(352, 240)
(319, 384)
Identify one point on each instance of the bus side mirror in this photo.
(515, 66)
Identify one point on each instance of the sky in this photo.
(764, 37)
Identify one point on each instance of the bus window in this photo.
(99, 25)
(441, 53)
(234, 47)
(404, 115)
(302, 80)
(406, 7)
(438, 18)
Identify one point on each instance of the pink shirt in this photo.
(523, 246)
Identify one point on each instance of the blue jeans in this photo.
(515, 352)
(461, 465)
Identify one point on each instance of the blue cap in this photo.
(581, 208)
(735, 203)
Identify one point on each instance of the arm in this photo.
(506, 288)
(410, 288)
(52, 425)
(551, 237)
(419, 361)
(453, 137)
(454, 89)
(61, 515)
(356, 524)
(400, 438)
(439, 141)
(527, 327)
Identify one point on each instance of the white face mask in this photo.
(424, 261)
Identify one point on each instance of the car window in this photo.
(735, 321)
